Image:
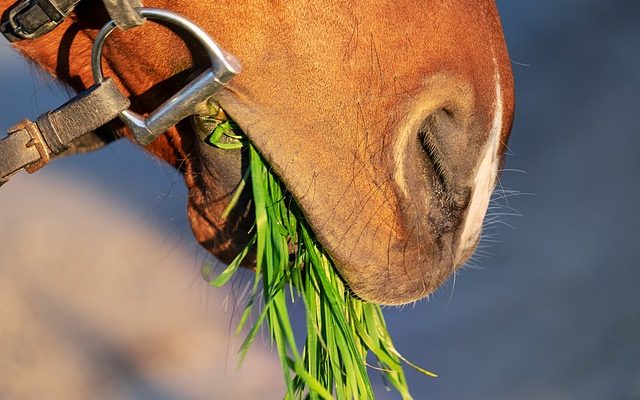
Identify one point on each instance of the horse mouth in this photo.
(389, 250)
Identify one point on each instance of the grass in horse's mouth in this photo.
(341, 329)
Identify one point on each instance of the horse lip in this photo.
(371, 272)
(424, 276)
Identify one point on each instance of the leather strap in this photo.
(30, 19)
(92, 141)
(29, 145)
(18, 151)
(82, 114)
(124, 13)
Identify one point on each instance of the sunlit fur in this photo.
(334, 94)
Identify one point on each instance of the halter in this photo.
(30, 145)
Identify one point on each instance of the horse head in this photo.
(386, 120)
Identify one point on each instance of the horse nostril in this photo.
(427, 135)
(440, 137)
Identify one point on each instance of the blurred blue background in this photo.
(552, 308)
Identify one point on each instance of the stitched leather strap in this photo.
(82, 114)
(30, 19)
(29, 145)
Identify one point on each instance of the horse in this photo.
(387, 121)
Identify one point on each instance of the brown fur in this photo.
(328, 91)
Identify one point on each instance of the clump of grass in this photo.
(341, 329)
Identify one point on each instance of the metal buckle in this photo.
(224, 66)
(36, 141)
(48, 8)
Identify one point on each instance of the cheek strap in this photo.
(30, 145)
(30, 19)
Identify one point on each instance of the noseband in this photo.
(30, 145)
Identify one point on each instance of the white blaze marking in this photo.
(485, 179)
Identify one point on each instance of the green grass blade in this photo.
(232, 268)
(236, 195)
(341, 330)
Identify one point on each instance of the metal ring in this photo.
(222, 62)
